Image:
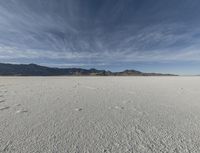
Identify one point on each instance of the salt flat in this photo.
(99, 114)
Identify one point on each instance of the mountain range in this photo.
(37, 70)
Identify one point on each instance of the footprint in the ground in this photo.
(78, 109)
(2, 101)
(4, 108)
(76, 85)
(91, 88)
(21, 111)
(117, 107)
(18, 105)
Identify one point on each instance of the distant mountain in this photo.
(37, 70)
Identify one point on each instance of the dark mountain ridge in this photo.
(37, 70)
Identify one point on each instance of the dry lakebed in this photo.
(100, 114)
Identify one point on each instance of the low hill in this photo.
(37, 70)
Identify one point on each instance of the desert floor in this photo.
(99, 114)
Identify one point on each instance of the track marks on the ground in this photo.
(20, 109)
(4, 104)
(3, 92)
(4, 108)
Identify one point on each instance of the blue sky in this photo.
(147, 35)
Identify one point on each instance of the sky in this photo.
(146, 35)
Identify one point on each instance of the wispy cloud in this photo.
(96, 32)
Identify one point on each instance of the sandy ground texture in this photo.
(99, 114)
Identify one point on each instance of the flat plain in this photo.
(99, 114)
